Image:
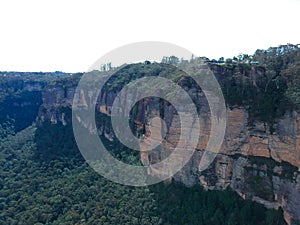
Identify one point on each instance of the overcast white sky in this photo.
(50, 35)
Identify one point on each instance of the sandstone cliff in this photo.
(256, 163)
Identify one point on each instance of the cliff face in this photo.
(20, 103)
(256, 163)
(21, 97)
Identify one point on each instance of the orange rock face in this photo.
(231, 166)
(256, 140)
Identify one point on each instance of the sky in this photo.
(69, 36)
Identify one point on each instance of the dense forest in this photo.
(44, 179)
(65, 190)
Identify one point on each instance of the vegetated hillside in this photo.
(45, 180)
(262, 124)
(66, 190)
(267, 82)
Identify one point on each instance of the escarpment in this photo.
(260, 154)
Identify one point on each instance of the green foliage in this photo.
(260, 186)
(21, 108)
(288, 170)
(44, 180)
(263, 96)
(181, 205)
(55, 141)
(268, 89)
(63, 190)
(132, 72)
(21, 97)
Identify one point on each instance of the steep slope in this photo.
(259, 158)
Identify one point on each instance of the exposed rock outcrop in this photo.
(256, 163)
